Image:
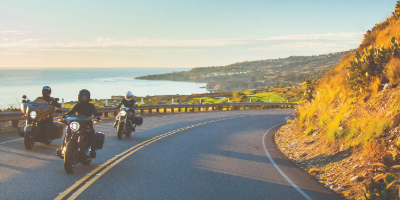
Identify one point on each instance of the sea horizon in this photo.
(101, 82)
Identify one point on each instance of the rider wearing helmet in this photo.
(46, 92)
(87, 109)
(128, 102)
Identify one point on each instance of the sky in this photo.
(178, 34)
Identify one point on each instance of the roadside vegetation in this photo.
(351, 116)
(275, 95)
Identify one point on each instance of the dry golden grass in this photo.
(393, 71)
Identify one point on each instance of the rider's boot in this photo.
(115, 124)
(59, 153)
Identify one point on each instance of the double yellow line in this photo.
(76, 189)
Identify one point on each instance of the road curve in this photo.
(218, 155)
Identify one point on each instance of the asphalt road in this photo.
(210, 155)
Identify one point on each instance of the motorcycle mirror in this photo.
(57, 99)
(24, 96)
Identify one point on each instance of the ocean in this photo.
(102, 83)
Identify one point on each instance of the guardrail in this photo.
(150, 109)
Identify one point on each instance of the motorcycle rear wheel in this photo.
(28, 141)
(120, 129)
(70, 157)
(47, 142)
(21, 129)
(128, 133)
(85, 158)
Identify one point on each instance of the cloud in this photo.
(11, 32)
(321, 46)
(333, 41)
(105, 39)
(327, 36)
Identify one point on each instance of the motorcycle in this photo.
(39, 125)
(76, 145)
(124, 122)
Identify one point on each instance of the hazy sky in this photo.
(172, 33)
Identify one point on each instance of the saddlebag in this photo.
(138, 120)
(100, 140)
(58, 128)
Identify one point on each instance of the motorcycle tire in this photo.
(85, 158)
(21, 129)
(70, 157)
(47, 142)
(128, 133)
(120, 129)
(28, 141)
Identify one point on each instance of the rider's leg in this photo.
(92, 136)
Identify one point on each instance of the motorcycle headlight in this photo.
(122, 113)
(74, 126)
(33, 114)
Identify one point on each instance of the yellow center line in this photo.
(95, 174)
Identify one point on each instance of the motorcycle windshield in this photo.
(39, 106)
(78, 118)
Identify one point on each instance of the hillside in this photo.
(256, 74)
(347, 133)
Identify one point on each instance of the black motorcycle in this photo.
(124, 122)
(76, 145)
(39, 125)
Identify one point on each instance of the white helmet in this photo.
(129, 96)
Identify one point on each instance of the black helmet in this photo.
(129, 96)
(84, 96)
(46, 91)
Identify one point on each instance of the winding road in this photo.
(210, 155)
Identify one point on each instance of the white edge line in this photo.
(11, 141)
(279, 170)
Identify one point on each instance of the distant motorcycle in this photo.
(76, 146)
(39, 125)
(124, 122)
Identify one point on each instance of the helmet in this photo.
(129, 96)
(46, 91)
(84, 96)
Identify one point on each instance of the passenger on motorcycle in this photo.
(87, 109)
(128, 102)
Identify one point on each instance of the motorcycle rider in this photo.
(128, 102)
(87, 109)
(46, 92)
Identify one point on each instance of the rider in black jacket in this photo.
(87, 109)
(128, 102)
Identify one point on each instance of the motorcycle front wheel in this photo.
(70, 156)
(120, 130)
(28, 141)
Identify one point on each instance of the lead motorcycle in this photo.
(124, 122)
(39, 122)
(76, 145)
